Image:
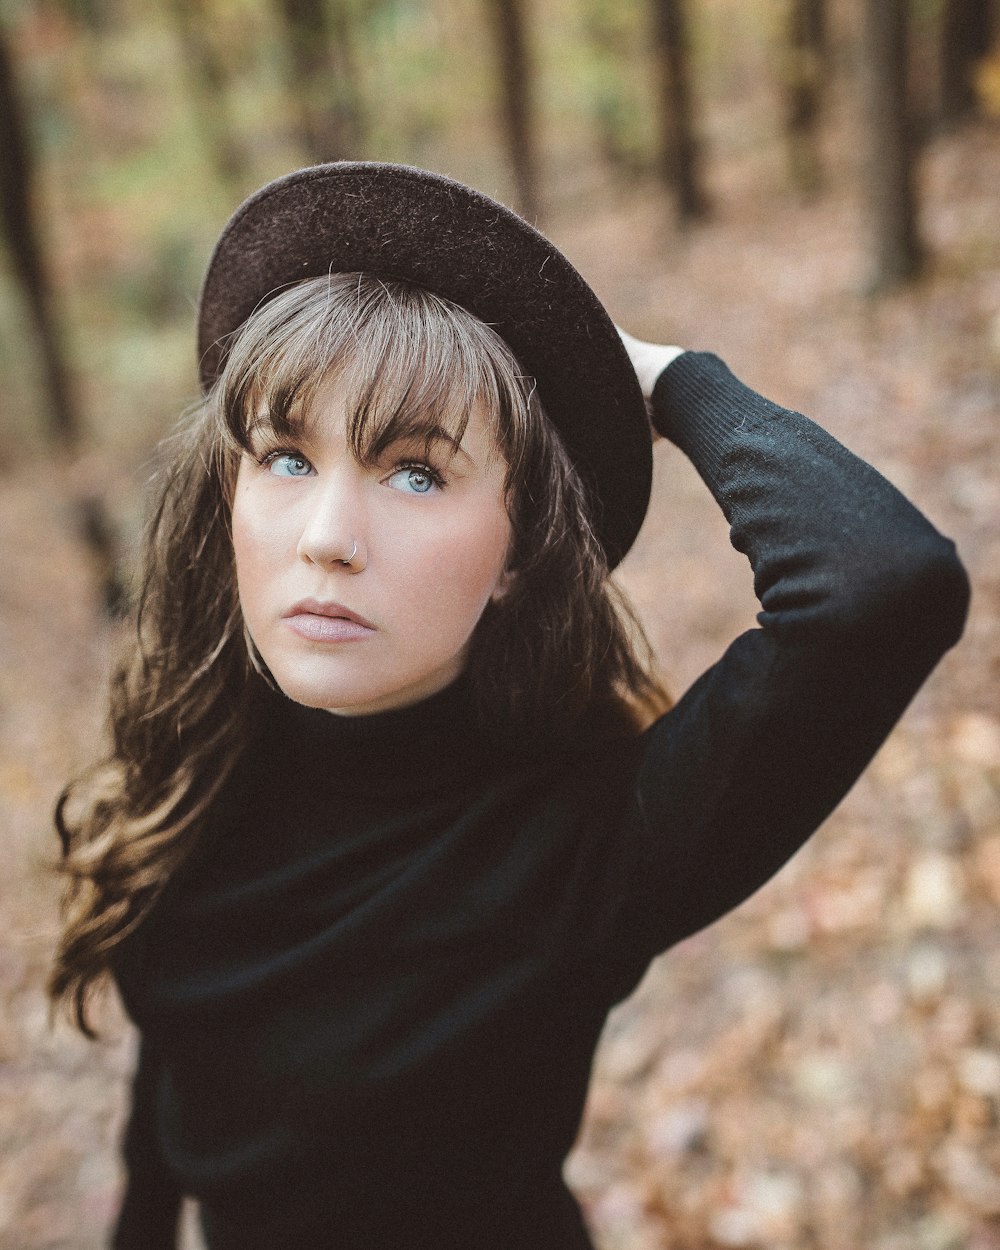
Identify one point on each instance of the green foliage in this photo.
(602, 76)
(133, 183)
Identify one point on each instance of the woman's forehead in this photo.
(380, 408)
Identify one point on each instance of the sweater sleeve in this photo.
(151, 1203)
(859, 595)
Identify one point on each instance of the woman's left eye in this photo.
(288, 464)
(414, 479)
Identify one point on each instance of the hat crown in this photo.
(409, 224)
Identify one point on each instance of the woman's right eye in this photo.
(288, 464)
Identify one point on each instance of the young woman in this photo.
(394, 812)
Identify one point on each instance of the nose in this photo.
(335, 526)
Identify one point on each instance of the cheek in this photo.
(253, 548)
(246, 539)
(459, 575)
(243, 543)
(445, 575)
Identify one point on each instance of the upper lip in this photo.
(322, 607)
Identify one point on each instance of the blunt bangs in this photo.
(414, 366)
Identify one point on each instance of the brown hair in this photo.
(558, 650)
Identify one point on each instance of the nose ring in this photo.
(350, 559)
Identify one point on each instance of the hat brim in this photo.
(403, 223)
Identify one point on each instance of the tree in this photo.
(325, 80)
(680, 160)
(804, 69)
(209, 82)
(17, 172)
(517, 114)
(17, 220)
(968, 31)
(894, 246)
(608, 28)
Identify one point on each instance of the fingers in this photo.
(648, 359)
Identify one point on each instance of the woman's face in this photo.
(429, 532)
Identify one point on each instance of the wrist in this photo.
(649, 359)
(652, 363)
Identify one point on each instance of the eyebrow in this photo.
(259, 425)
(433, 434)
(299, 428)
(295, 426)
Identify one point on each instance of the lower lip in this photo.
(317, 628)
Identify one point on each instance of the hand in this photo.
(648, 360)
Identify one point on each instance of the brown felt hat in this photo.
(403, 223)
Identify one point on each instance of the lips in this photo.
(319, 621)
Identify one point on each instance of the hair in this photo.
(557, 654)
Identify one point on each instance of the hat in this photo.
(402, 223)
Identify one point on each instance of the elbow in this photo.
(951, 590)
(905, 597)
(925, 597)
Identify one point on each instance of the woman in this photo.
(394, 813)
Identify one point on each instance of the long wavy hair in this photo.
(558, 653)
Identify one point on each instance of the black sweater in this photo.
(369, 1006)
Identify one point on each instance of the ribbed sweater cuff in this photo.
(699, 405)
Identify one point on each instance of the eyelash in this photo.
(263, 451)
(420, 466)
(266, 458)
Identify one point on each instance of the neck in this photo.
(432, 744)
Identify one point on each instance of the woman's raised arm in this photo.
(860, 596)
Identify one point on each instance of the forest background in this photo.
(809, 188)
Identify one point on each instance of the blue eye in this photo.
(289, 464)
(414, 479)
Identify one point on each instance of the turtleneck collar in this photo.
(431, 744)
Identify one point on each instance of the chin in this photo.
(345, 700)
(361, 689)
(324, 698)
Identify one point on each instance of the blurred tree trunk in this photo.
(16, 178)
(804, 73)
(968, 29)
(209, 81)
(17, 222)
(680, 154)
(96, 16)
(517, 114)
(602, 26)
(326, 84)
(895, 250)
(348, 84)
